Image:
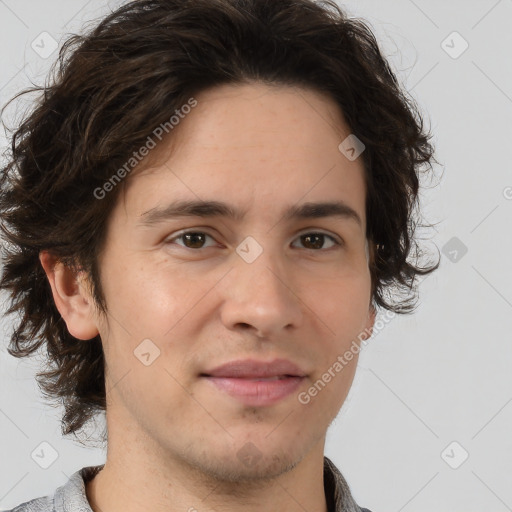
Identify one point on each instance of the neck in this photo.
(134, 479)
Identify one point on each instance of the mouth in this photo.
(256, 383)
(257, 392)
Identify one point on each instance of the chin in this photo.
(244, 464)
(255, 469)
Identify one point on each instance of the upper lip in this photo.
(252, 368)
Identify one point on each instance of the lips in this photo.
(256, 383)
(253, 369)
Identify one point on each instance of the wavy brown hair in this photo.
(111, 87)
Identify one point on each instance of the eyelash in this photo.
(170, 241)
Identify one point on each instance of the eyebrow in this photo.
(200, 208)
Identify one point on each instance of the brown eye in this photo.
(315, 241)
(191, 239)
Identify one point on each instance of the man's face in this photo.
(257, 288)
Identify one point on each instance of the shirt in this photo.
(71, 496)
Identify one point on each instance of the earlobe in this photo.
(71, 298)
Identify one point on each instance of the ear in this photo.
(71, 297)
(368, 329)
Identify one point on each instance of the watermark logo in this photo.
(44, 45)
(454, 455)
(44, 455)
(147, 352)
(454, 249)
(352, 147)
(454, 45)
(249, 454)
(249, 249)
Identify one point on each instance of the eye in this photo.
(192, 239)
(317, 240)
(196, 240)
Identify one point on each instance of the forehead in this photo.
(258, 116)
(252, 144)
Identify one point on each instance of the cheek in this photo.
(152, 396)
(327, 390)
(152, 310)
(342, 305)
(342, 312)
(146, 298)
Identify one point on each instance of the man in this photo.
(214, 198)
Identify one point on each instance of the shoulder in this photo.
(42, 504)
(70, 496)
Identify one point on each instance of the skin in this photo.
(173, 439)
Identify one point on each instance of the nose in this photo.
(260, 296)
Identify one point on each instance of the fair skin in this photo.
(174, 439)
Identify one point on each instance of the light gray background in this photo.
(424, 381)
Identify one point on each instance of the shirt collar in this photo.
(71, 497)
(337, 492)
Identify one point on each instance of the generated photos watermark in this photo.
(137, 156)
(304, 397)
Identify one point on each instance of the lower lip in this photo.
(257, 393)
